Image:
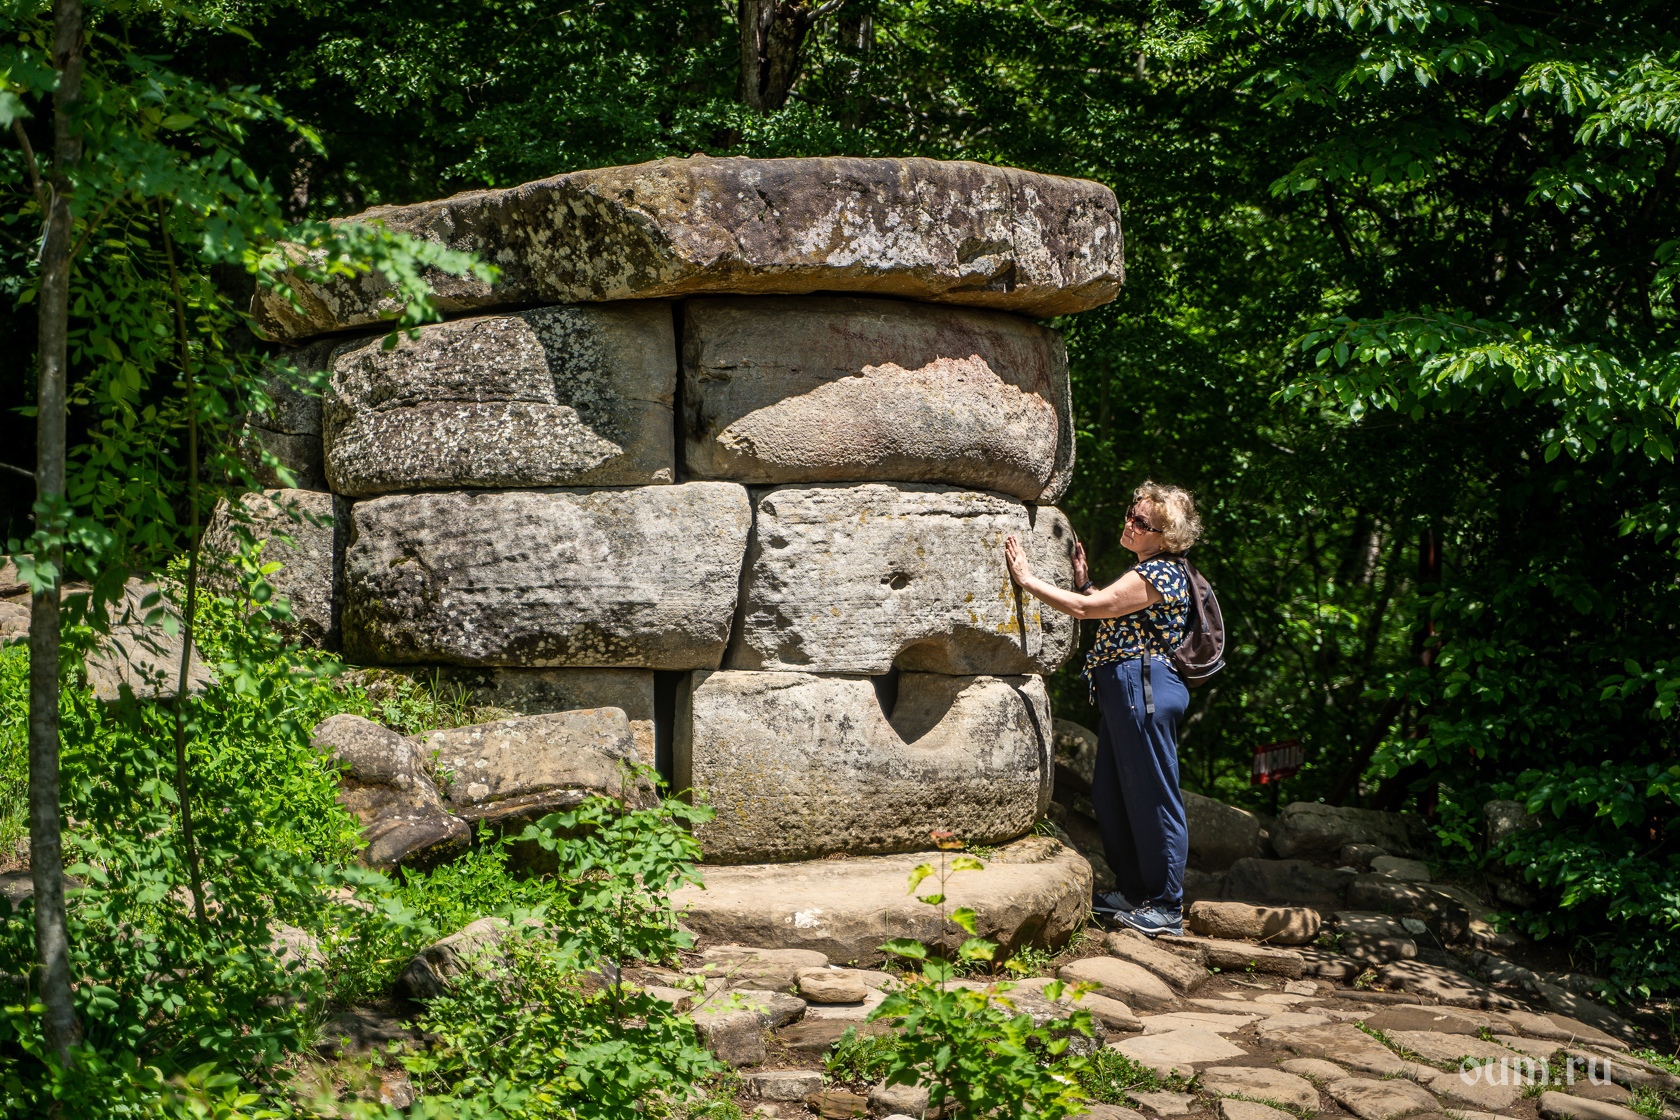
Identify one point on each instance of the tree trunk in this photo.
(772, 40)
(46, 852)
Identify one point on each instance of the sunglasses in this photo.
(1138, 522)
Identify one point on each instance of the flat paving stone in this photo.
(1290, 1020)
(1260, 1084)
(1442, 1019)
(1286, 999)
(1123, 980)
(1249, 1110)
(1098, 1111)
(1536, 1048)
(784, 1084)
(1381, 1100)
(1476, 1087)
(1434, 1046)
(1562, 1106)
(1165, 1103)
(1180, 1049)
(1204, 1020)
(1347, 1045)
(1316, 1069)
(1182, 974)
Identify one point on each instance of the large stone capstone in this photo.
(946, 232)
(643, 577)
(798, 390)
(858, 579)
(799, 766)
(1032, 892)
(577, 395)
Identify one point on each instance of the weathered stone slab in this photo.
(1340, 1042)
(1275, 925)
(309, 561)
(946, 232)
(800, 390)
(385, 786)
(1288, 882)
(1244, 956)
(513, 771)
(1183, 974)
(576, 395)
(1308, 829)
(637, 578)
(799, 766)
(434, 968)
(858, 579)
(1233, 1109)
(1033, 891)
(1562, 1106)
(289, 429)
(533, 692)
(1122, 980)
(1178, 1050)
(138, 656)
(1261, 1084)
(1381, 1100)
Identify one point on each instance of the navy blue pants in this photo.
(1140, 808)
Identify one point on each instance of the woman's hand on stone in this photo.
(1081, 568)
(1016, 557)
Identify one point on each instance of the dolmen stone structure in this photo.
(732, 446)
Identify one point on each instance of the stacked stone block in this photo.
(768, 434)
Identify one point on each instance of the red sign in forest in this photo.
(1276, 761)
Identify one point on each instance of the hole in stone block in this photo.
(665, 685)
(886, 692)
(923, 701)
(898, 581)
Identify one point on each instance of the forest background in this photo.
(1399, 310)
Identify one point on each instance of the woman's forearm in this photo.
(1068, 602)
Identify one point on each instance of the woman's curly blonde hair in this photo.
(1175, 509)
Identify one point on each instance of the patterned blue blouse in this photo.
(1119, 639)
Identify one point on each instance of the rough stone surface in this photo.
(859, 579)
(1111, 1012)
(1341, 1042)
(774, 1009)
(1397, 867)
(1381, 1100)
(1443, 914)
(1220, 834)
(946, 232)
(1358, 856)
(513, 771)
(1123, 980)
(901, 1100)
(385, 786)
(1562, 1106)
(1239, 921)
(784, 1084)
(1473, 1087)
(1315, 1069)
(1307, 829)
(798, 390)
(1241, 956)
(1076, 758)
(799, 765)
(1441, 984)
(1034, 891)
(733, 1036)
(1438, 1019)
(1289, 882)
(139, 657)
(1099, 1111)
(533, 692)
(1249, 1110)
(1165, 1103)
(1438, 1046)
(637, 578)
(309, 560)
(290, 430)
(429, 974)
(1260, 1083)
(838, 1104)
(1202, 1020)
(576, 395)
(1183, 975)
(742, 966)
(832, 985)
(1178, 1050)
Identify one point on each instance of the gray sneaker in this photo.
(1106, 904)
(1152, 921)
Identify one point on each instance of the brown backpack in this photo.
(1201, 653)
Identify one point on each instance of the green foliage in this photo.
(1110, 1076)
(859, 1059)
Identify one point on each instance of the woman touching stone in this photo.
(1139, 806)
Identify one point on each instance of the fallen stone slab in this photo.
(1381, 1100)
(774, 1009)
(944, 232)
(1164, 1102)
(644, 577)
(1309, 829)
(1288, 882)
(1178, 1050)
(1258, 1083)
(801, 765)
(1439, 1047)
(784, 1084)
(384, 785)
(1183, 975)
(812, 389)
(856, 1011)
(1539, 1050)
(734, 1036)
(811, 1038)
(1123, 980)
(1242, 921)
(432, 970)
(1626, 1070)
(1334, 967)
(534, 692)
(297, 530)
(1562, 1106)
(1301, 988)
(860, 579)
(139, 658)
(1606, 1091)
(1561, 1028)
(1293, 1020)
(1346, 1045)
(837, 1104)
(514, 771)
(1314, 1069)
(831, 985)
(1033, 891)
(576, 395)
(1230, 1109)
(1244, 956)
(1111, 1012)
